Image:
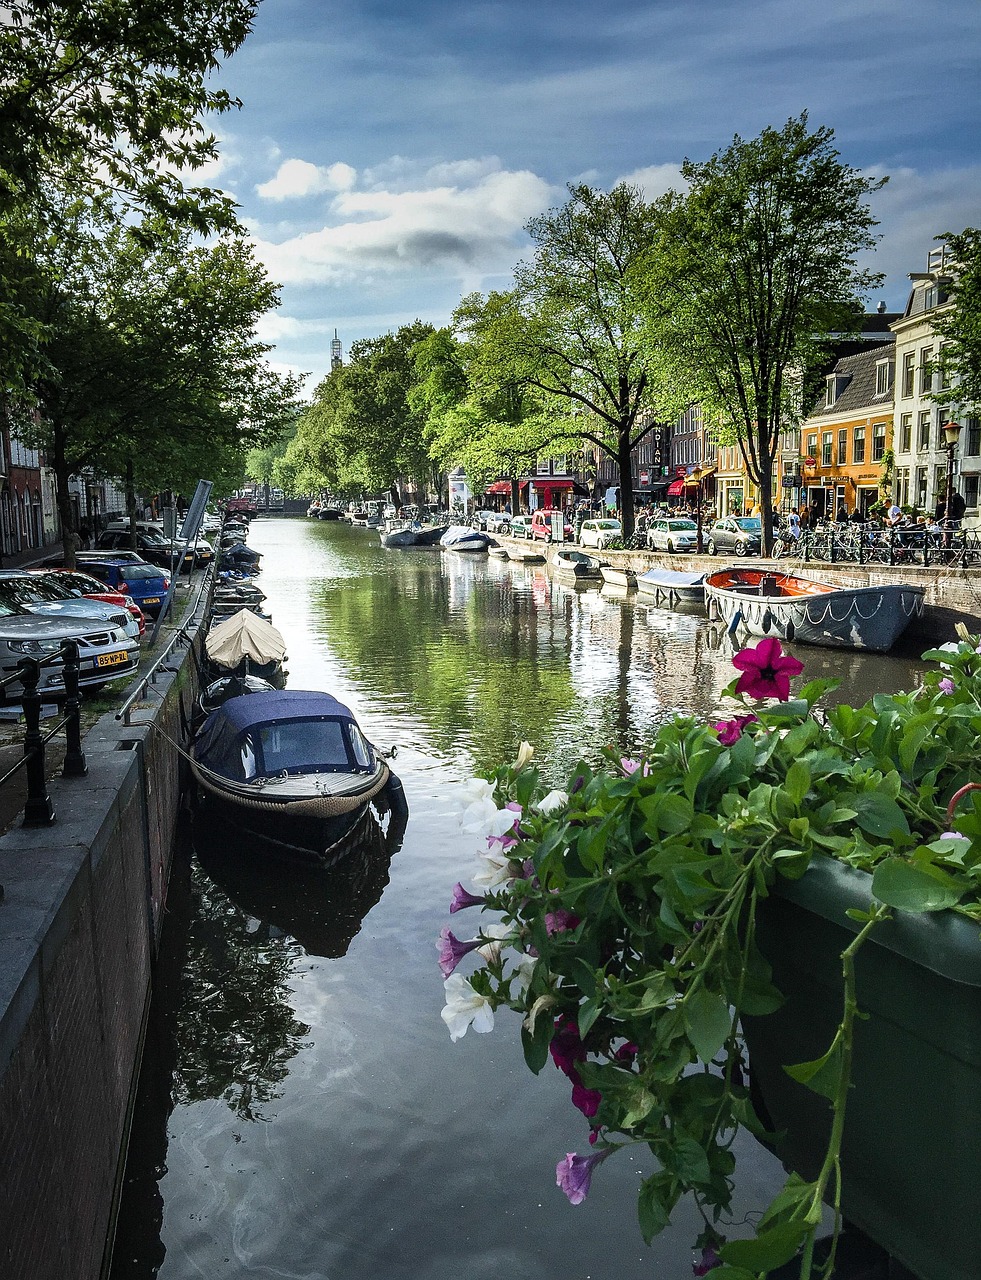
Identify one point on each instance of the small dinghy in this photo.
(671, 585)
(219, 691)
(292, 768)
(618, 576)
(574, 564)
(806, 612)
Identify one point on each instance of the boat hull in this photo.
(614, 576)
(667, 584)
(574, 564)
(816, 613)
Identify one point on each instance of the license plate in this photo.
(151, 600)
(111, 659)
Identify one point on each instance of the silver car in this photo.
(105, 653)
(42, 593)
(676, 534)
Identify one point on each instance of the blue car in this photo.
(148, 584)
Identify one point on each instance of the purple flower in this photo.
(585, 1100)
(946, 685)
(574, 1174)
(578, 785)
(452, 950)
(766, 670)
(708, 1262)
(560, 921)
(566, 1046)
(631, 766)
(729, 730)
(461, 899)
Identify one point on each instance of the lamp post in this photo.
(951, 432)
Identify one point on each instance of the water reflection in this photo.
(312, 1005)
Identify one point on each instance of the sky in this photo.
(389, 153)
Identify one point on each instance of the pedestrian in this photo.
(805, 516)
(894, 515)
(841, 515)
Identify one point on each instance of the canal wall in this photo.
(950, 594)
(80, 922)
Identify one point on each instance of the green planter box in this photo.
(912, 1150)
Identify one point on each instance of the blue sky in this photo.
(388, 155)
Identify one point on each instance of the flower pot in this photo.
(911, 1156)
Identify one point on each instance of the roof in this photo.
(856, 374)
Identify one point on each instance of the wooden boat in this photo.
(219, 691)
(576, 564)
(615, 575)
(525, 555)
(806, 612)
(292, 768)
(672, 585)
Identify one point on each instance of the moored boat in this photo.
(246, 644)
(525, 555)
(405, 536)
(460, 537)
(809, 612)
(672, 585)
(292, 768)
(615, 575)
(574, 563)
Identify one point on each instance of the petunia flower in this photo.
(566, 1046)
(525, 753)
(766, 670)
(523, 972)
(946, 685)
(708, 1262)
(465, 1007)
(498, 869)
(585, 1100)
(560, 921)
(631, 766)
(554, 800)
(730, 730)
(452, 950)
(574, 1174)
(463, 899)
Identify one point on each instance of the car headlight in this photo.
(34, 647)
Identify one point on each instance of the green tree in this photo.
(572, 327)
(113, 92)
(960, 326)
(749, 269)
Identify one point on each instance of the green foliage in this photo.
(635, 891)
(960, 327)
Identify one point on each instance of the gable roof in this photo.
(856, 376)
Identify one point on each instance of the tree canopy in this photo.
(960, 326)
(748, 273)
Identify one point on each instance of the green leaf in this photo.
(535, 1047)
(652, 1210)
(914, 888)
(821, 1075)
(797, 782)
(771, 1248)
(589, 1011)
(708, 1022)
(686, 1158)
(877, 813)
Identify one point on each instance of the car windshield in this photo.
(607, 524)
(23, 591)
(139, 572)
(750, 524)
(681, 524)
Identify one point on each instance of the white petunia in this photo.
(477, 789)
(465, 1007)
(525, 753)
(523, 972)
(497, 870)
(554, 800)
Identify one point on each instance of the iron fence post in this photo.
(38, 810)
(75, 765)
(892, 545)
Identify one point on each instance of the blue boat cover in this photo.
(279, 704)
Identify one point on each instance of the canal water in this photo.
(303, 1114)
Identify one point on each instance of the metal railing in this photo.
(38, 809)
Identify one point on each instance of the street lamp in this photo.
(951, 432)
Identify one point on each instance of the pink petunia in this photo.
(463, 899)
(574, 1174)
(946, 685)
(766, 670)
(729, 730)
(452, 950)
(560, 921)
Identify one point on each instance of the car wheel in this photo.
(741, 549)
(670, 546)
(711, 547)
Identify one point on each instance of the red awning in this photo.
(499, 486)
(676, 487)
(552, 482)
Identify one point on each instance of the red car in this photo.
(541, 525)
(91, 587)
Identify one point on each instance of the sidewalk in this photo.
(30, 557)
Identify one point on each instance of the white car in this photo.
(676, 534)
(104, 653)
(498, 522)
(600, 533)
(43, 593)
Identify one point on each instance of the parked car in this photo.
(498, 522)
(125, 572)
(541, 525)
(676, 534)
(93, 589)
(600, 533)
(153, 547)
(739, 535)
(42, 593)
(479, 519)
(521, 526)
(105, 652)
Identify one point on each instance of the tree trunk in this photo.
(515, 496)
(131, 502)
(70, 540)
(625, 468)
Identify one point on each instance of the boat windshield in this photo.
(302, 746)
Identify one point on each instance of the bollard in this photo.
(75, 765)
(38, 810)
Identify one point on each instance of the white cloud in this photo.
(296, 178)
(462, 231)
(655, 180)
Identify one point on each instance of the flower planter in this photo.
(911, 1157)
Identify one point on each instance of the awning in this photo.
(676, 487)
(552, 482)
(504, 486)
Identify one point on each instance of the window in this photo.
(972, 439)
(831, 392)
(883, 377)
(926, 370)
(827, 442)
(858, 445)
(923, 431)
(905, 432)
(921, 486)
(812, 447)
(842, 447)
(902, 486)
(909, 373)
(971, 490)
(878, 441)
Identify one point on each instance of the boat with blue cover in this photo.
(292, 768)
